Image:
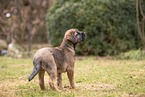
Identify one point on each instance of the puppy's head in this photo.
(75, 36)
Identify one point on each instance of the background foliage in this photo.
(110, 24)
(20, 17)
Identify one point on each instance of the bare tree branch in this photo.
(137, 18)
(140, 24)
(141, 8)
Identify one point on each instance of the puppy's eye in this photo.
(76, 33)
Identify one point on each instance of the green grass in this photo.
(93, 77)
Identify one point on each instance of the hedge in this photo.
(110, 24)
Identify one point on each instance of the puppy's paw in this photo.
(43, 89)
(74, 86)
(60, 87)
(57, 90)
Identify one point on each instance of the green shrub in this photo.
(110, 24)
(3, 45)
(133, 54)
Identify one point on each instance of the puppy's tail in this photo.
(35, 70)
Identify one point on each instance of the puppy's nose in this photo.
(85, 34)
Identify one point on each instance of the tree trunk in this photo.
(30, 39)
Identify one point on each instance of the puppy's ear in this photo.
(72, 38)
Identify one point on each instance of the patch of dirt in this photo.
(80, 57)
(97, 86)
(105, 58)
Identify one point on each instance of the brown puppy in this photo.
(57, 60)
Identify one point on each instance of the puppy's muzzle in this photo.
(84, 35)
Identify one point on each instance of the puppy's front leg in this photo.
(59, 80)
(70, 74)
(41, 79)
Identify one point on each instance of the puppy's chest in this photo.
(63, 60)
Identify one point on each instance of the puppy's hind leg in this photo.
(52, 81)
(51, 69)
(41, 79)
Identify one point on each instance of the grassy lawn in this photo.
(93, 77)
